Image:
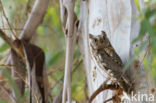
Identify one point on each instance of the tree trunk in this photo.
(118, 18)
(113, 17)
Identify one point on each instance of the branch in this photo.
(7, 39)
(68, 18)
(77, 65)
(7, 93)
(35, 19)
(12, 44)
(83, 42)
(109, 100)
(103, 87)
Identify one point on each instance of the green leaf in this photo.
(22, 1)
(4, 47)
(3, 101)
(154, 73)
(146, 27)
(151, 31)
(142, 32)
(149, 13)
(153, 2)
(40, 30)
(52, 16)
(55, 58)
(130, 61)
(77, 52)
(137, 4)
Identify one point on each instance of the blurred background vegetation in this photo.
(51, 39)
(147, 18)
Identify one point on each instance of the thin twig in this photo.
(14, 34)
(52, 70)
(20, 76)
(2, 21)
(109, 100)
(61, 79)
(27, 10)
(3, 28)
(5, 90)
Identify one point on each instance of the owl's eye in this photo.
(101, 40)
(95, 40)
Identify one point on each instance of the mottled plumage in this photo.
(108, 60)
(101, 46)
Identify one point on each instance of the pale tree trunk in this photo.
(118, 18)
(113, 17)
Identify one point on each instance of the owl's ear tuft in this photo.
(103, 32)
(91, 36)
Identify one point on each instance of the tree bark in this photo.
(112, 17)
(68, 19)
(119, 20)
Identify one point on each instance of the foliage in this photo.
(50, 38)
(148, 26)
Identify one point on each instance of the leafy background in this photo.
(51, 39)
(147, 17)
